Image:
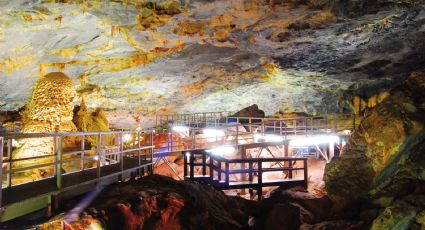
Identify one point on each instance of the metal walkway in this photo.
(102, 158)
(227, 173)
(113, 156)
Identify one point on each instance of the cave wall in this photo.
(147, 57)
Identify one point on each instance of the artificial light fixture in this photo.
(213, 133)
(267, 138)
(221, 151)
(126, 137)
(180, 129)
(314, 140)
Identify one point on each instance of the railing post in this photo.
(192, 166)
(1, 169)
(10, 154)
(219, 170)
(260, 180)
(121, 153)
(211, 169)
(204, 164)
(290, 170)
(171, 141)
(250, 125)
(151, 169)
(139, 160)
(83, 148)
(280, 128)
(98, 149)
(312, 125)
(193, 139)
(305, 173)
(250, 178)
(227, 173)
(185, 164)
(59, 163)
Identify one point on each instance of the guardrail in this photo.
(114, 152)
(192, 119)
(237, 129)
(220, 169)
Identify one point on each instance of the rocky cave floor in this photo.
(159, 202)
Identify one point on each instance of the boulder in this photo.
(158, 202)
(402, 214)
(283, 216)
(250, 111)
(385, 155)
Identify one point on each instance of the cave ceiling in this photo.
(170, 56)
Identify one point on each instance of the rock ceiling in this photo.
(153, 56)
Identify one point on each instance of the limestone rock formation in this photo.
(167, 56)
(88, 121)
(384, 160)
(49, 110)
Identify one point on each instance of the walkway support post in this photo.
(59, 162)
(1, 169)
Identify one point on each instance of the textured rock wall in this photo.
(383, 163)
(147, 57)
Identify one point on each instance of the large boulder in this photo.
(402, 214)
(385, 155)
(158, 202)
(250, 111)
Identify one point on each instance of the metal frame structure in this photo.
(115, 157)
(112, 159)
(219, 176)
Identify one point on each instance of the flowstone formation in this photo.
(49, 110)
(87, 121)
(383, 164)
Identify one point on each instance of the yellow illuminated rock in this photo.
(49, 110)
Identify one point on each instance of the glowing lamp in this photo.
(14, 143)
(213, 133)
(180, 129)
(126, 137)
(221, 151)
(267, 138)
(314, 140)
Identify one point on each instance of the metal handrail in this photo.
(139, 146)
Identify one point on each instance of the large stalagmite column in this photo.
(49, 109)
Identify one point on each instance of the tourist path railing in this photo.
(192, 119)
(107, 157)
(54, 167)
(217, 170)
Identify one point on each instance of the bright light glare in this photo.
(222, 150)
(314, 140)
(213, 133)
(187, 154)
(126, 137)
(346, 132)
(96, 158)
(267, 138)
(180, 129)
